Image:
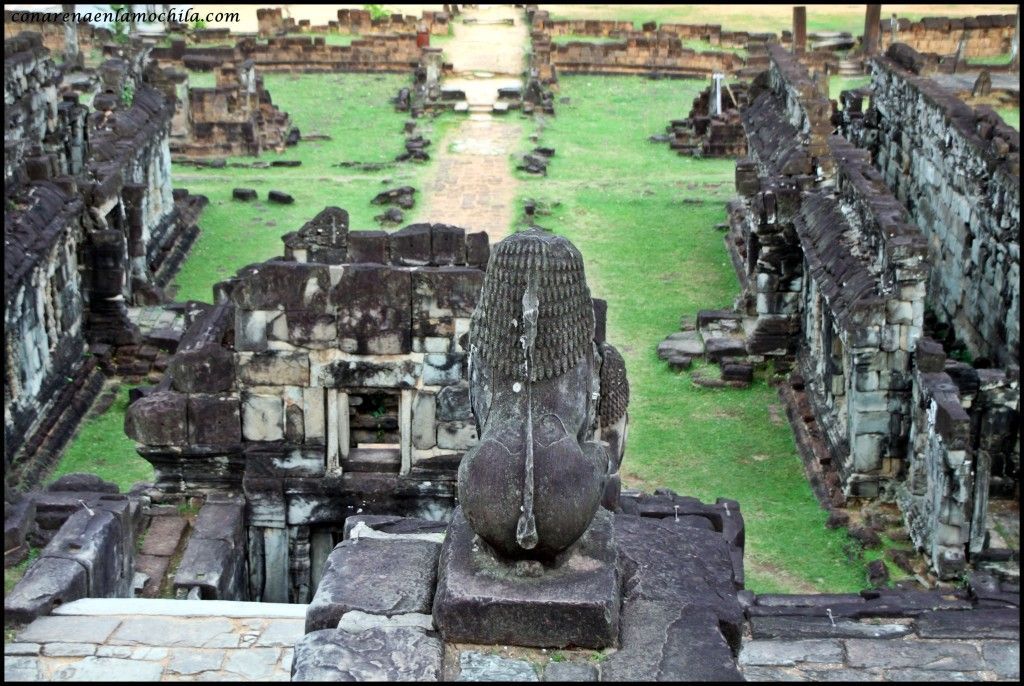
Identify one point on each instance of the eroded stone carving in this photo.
(532, 485)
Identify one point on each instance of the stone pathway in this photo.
(155, 318)
(472, 185)
(121, 639)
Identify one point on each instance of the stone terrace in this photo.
(120, 639)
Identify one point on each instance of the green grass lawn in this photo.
(1011, 115)
(353, 109)
(838, 84)
(644, 219)
(101, 447)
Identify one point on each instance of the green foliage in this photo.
(101, 447)
(197, 25)
(557, 657)
(128, 93)
(377, 12)
(644, 219)
(120, 28)
(13, 574)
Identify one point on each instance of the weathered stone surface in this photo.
(191, 661)
(661, 641)
(244, 194)
(397, 654)
(482, 600)
(209, 369)
(474, 666)
(945, 655)
(1003, 658)
(686, 343)
(971, 624)
(788, 653)
(196, 632)
(69, 649)
(252, 663)
(280, 197)
(60, 628)
(22, 669)
(375, 576)
(158, 419)
(569, 671)
(214, 557)
(822, 627)
(109, 669)
(356, 621)
(82, 482)
(163, 535)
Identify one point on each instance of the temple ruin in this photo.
(405, 454)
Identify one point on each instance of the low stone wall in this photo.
(958, 174)
(88, 531)
(984, 36)
(272, 22)
(640, 53)
(395, 53)
(58, 37)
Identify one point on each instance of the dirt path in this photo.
(472, 184)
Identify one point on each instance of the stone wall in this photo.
(56, 37)
(91, 223)
(395, 53)
(957, 171)
(272, 22)
(836, 272)
(236, 117)
(641, 53)
(983, 36)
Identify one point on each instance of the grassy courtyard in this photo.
(644, 220)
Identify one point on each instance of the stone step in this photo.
(96, 607)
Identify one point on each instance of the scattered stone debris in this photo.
(536, 161)
(244, 194)
(286, 163)
(404, 197)
(280, 197)
(393, 215)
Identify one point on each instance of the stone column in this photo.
(70, 36)
(405, 430)
(799, 30)
(872, 29)
(716, 95)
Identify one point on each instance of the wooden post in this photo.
(799, 29)
(872, 29)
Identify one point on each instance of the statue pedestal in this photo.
(483, 600)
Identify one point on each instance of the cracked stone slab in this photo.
(822, 627)
(570, 671)
(375, 576)
(474, 666)
(21, 648)
(397, 654)
(21, 669)
(252, 663)
(109, 669)
(195, 632)
(925, 654)
(58, 629)
(69, 649)
(788, 653)
(282, 632)
(190, 661)
(356, 621)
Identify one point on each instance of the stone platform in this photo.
(481, 600)
(141, 639)
(656, 595)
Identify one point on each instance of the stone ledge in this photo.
(180, 608)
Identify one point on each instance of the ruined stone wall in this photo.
(834, 271)
(835, 268)
(958, 174)
(237, 117)
(90, 220)
(272, 22)
(55, 35)
(964, 448)
(985, 35)
(394, 53)
(642, 53)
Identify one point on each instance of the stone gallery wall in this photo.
(987, 35)
(958, 174)
(91, 223)
(836, 272)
